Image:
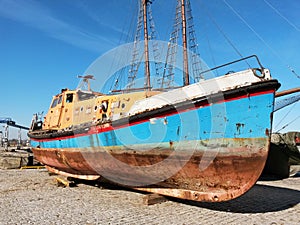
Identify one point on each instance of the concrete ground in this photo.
(32, 197)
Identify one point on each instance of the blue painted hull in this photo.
(242, 118)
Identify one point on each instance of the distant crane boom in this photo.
(8, 121)
(5, 119)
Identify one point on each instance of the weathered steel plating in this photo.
(232, 172)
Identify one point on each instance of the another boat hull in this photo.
(198, 153)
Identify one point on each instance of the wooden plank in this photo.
(32, 167)
(151, 199)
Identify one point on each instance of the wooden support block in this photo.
(32, 167)
(151, 199)
(63, 182)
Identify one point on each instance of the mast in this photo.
(184, 43)
(147, 66)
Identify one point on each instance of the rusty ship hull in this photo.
(206, 148)
(228, 176)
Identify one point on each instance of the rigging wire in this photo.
(135, 63)
(125, 37)
(261, 38)
(154, 44)
(170, 61)
(205, 34)
(290, 23)
(223, 33)
(211, 53)
(282, 16)
(195, 61)
(285, 115)
(285, 126)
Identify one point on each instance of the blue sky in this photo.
(45, 44)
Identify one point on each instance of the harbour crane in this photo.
(10, 123)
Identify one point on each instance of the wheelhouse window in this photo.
(60, 99)
(54, 103)
(69, 98)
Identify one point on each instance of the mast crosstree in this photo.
(183, 22)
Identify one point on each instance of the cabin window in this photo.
(76, 111)
(60, 99)
(88, 110)
(54, 103)
(69, 98)
(104, 106)
(115, 104)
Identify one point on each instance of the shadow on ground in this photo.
(259, 199)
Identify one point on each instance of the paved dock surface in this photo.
(32, 197)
